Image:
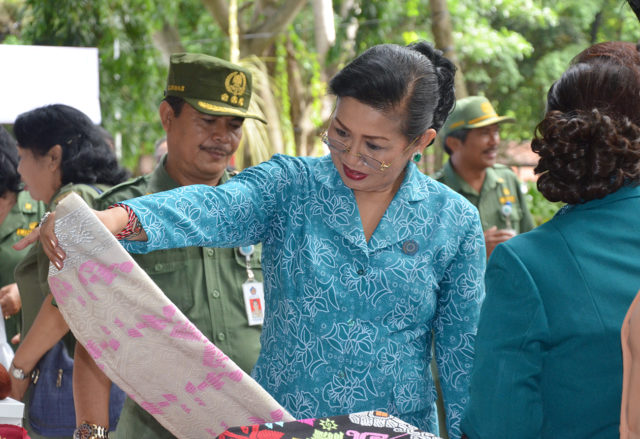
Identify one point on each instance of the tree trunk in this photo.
(595, 26)
(300, 108)
(325, 30)
(443, 34)
(270, 18)
(167, 41)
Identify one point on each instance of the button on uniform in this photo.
(216, 294)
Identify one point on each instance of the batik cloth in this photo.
(142, 341)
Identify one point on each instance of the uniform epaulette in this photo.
(503, 170)
(124, 184)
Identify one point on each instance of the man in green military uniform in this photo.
(471, 136)
(19, 215)
(206, 102)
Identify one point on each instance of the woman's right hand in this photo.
(18, 387)
(45, 232)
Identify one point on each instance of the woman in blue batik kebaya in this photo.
(364, 257)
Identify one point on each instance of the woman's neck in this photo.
(373, 205)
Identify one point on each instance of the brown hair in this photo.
(589, 140)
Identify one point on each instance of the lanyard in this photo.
(247, 251)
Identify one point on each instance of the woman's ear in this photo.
(425, 140)
(54, 157)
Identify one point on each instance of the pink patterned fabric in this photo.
(142, 341)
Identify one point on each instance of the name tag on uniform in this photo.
(254, 302)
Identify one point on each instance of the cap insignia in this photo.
(236, 84)
(486, 108)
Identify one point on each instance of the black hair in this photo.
(9, 177)
(460, 134)
(589, 140)
(416, 80)
(86, 156)
(176, 103)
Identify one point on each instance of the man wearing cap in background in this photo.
(471, 136)
(205, 104)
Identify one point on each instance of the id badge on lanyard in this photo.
(252, 291)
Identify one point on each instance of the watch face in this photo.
(82, 432)
(17, 373)
(89, 431)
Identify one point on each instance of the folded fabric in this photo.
(363, 425)
(142, 341)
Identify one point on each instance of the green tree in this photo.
(509, 50)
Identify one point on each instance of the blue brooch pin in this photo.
(410, 247)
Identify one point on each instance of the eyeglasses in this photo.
(341, 148)
(370, 162)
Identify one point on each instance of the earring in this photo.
(416, 157)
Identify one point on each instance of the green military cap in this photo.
(210, 85)
(472, 112)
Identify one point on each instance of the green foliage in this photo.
(542, 210)
(132, 70)
(509, 50)
(512, 50)
(131, 76)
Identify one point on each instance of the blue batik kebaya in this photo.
(348, 322)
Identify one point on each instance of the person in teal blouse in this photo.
(363, 255)
(548, 352)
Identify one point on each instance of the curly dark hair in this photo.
(86, 156)
(9, 177)
(415, 79)
(589, 140)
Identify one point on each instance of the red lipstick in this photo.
(353, 174)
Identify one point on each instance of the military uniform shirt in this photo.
(205, 283)
(21, 220)
(499, 187)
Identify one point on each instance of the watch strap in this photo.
(90, 431)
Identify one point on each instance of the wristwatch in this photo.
(17, 373)
(90, 431)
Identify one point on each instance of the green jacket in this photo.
(21, 220)
(548, 358)
(32, 272)
(500, 186)
(205, 283)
